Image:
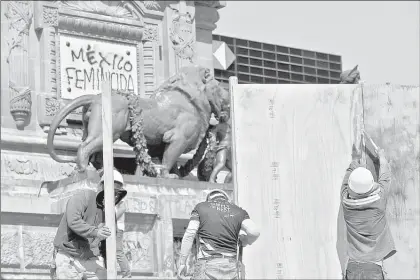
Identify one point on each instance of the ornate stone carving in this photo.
(9, 247)
(38, 247)
(138, 247)
(151, 5)
(182, 36)
(19, 14)
(20, 104)
(50, 16)
(107, 8)
(99, 29)
(151, 33)
(21, 165)
(52, 106)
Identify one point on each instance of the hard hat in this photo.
(117, 177)
(361, 180)
(216, 193)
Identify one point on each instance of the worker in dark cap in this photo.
(220, 225)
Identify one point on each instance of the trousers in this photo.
(121, 257)
(68, 267)
(368, 271)
(217, 268)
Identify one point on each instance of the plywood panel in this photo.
(293, 144)
(392, 120)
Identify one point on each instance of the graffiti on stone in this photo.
(85, 63)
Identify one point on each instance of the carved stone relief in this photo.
(151, 33)
(108, 8)
(151, 5)
(182, 35)
(19, 15)
(50, 16)
(21, 165)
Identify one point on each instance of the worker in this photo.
(120, 210)
(79, 242)
(364, 206)
(219, 224)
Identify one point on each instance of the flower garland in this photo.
(138, 139)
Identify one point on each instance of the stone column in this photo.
(179, 36)
(19, 17)
(206, 16)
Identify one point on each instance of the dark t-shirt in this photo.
(220, 223)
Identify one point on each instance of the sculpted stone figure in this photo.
(173, 121)
(350, 76)
(219, 154)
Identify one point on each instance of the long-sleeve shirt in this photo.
(368, 235)
(79, 226)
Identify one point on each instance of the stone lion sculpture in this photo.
(173, 121)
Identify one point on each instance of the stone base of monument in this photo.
(158, 211)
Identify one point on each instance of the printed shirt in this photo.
(220, 223)
(368, 233)
(121, 220)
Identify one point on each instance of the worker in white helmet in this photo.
(79, 242)
(219, 225)
(364, 206)
(120, 209)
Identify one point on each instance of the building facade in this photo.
(263, 63)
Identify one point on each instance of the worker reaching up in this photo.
(219, 225)
(364, 206)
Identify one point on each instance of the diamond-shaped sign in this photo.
(223, 57)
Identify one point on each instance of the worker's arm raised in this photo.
(384, 179)
(251, 230)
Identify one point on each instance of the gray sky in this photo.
(381, 37)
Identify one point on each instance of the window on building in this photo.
(242, 68)
(242, 51)
(308, 54)
(227, 40)
(283, 66)
(296, 77)
(281, 57)
(309, 70)
(322, 56)
(323, 81)
(242, 60)
(283, 75)
(309, 62)
(269, 64)
(335, 66)
(255, 45)
(310, 79)
(270, 81)
(268, 55)
(296, 68)
(240, 42)
(295, 51)
(257, 79)
(335, 75)
(323, 73)
(297, 60)
(322, 64)
(243, 78)
(255, 70)
(269, 47)
(271, 73)
(255, 62)
(335, 58)
(334, 81)
(281, 81)
(255, 53)
(282, 49)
